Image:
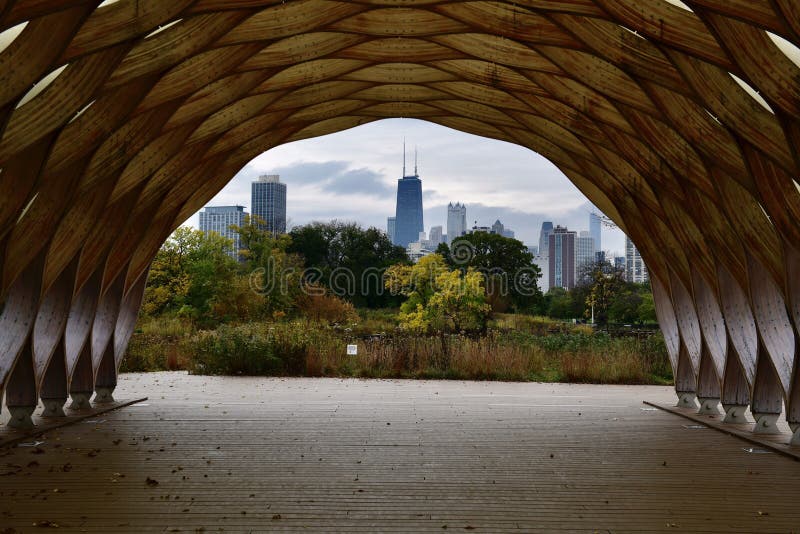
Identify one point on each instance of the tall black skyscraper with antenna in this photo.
(408, 212)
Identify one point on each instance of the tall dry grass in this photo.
(307, 348)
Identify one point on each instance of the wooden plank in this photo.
(394, 455)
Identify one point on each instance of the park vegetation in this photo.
(289, 306)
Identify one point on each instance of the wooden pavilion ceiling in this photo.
(679, 120)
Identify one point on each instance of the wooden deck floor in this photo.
(362, 456)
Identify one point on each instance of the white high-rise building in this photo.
(456, 221)
(635, 269)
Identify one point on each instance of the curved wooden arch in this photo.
(680, 121)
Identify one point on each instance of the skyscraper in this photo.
(635, 269)
(435, 236)
(390, 228)
(219, 219)
(595, 227)
(456, 221)
(408, 214)
(562, 248)
(498, 227)
(585, 253)
(544, 238)
(269, 202)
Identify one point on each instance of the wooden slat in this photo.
(392, 455)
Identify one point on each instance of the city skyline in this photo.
(330, 179)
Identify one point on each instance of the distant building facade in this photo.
(417, 250)
(390, 225)
(435, 237)
(562, 248)
(268, 202)
(635, 269)
(544, 237)
(595, 230)
(542, 261)
(219, 219)
(619, 263)
(498, 227)
(456, 221)
(584, 252)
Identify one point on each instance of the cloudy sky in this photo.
(352, 176)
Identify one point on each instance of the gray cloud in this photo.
(352, 176)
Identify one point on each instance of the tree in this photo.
(348, 259)
(511, 277)
(439, 299)
(647, 309)
(560, 303)
(604, 285)
(191, 271)
(274, 274)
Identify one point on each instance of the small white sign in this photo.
(352, 350)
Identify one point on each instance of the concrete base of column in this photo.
(103, 395)
(21, 417)
(687, 400)
(795, 442)
(735, 414)
(80, 401)
(766, 423)
(53, 407)
(708, 406)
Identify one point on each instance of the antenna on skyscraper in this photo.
(415, 161)
(404, 157)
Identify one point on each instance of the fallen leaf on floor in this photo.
(151, 481)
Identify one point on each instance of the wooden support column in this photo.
(54, 389)
(767, 401)
(16, 322)
(740, 366)
(735, 390)
(691, 343)
(82, 384)
(776, 348)
(793, 290)
(715, 344)
(102, 344)
(77, 349)
(708, 384)
(48, 342)
(21, 395)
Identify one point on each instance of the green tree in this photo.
(191, 271)
(348, 259)
(647, 309)
(439, 299)
(511, 277)
(274, 274)
(604, 284)
(561, 306)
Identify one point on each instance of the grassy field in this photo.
(516, 348)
